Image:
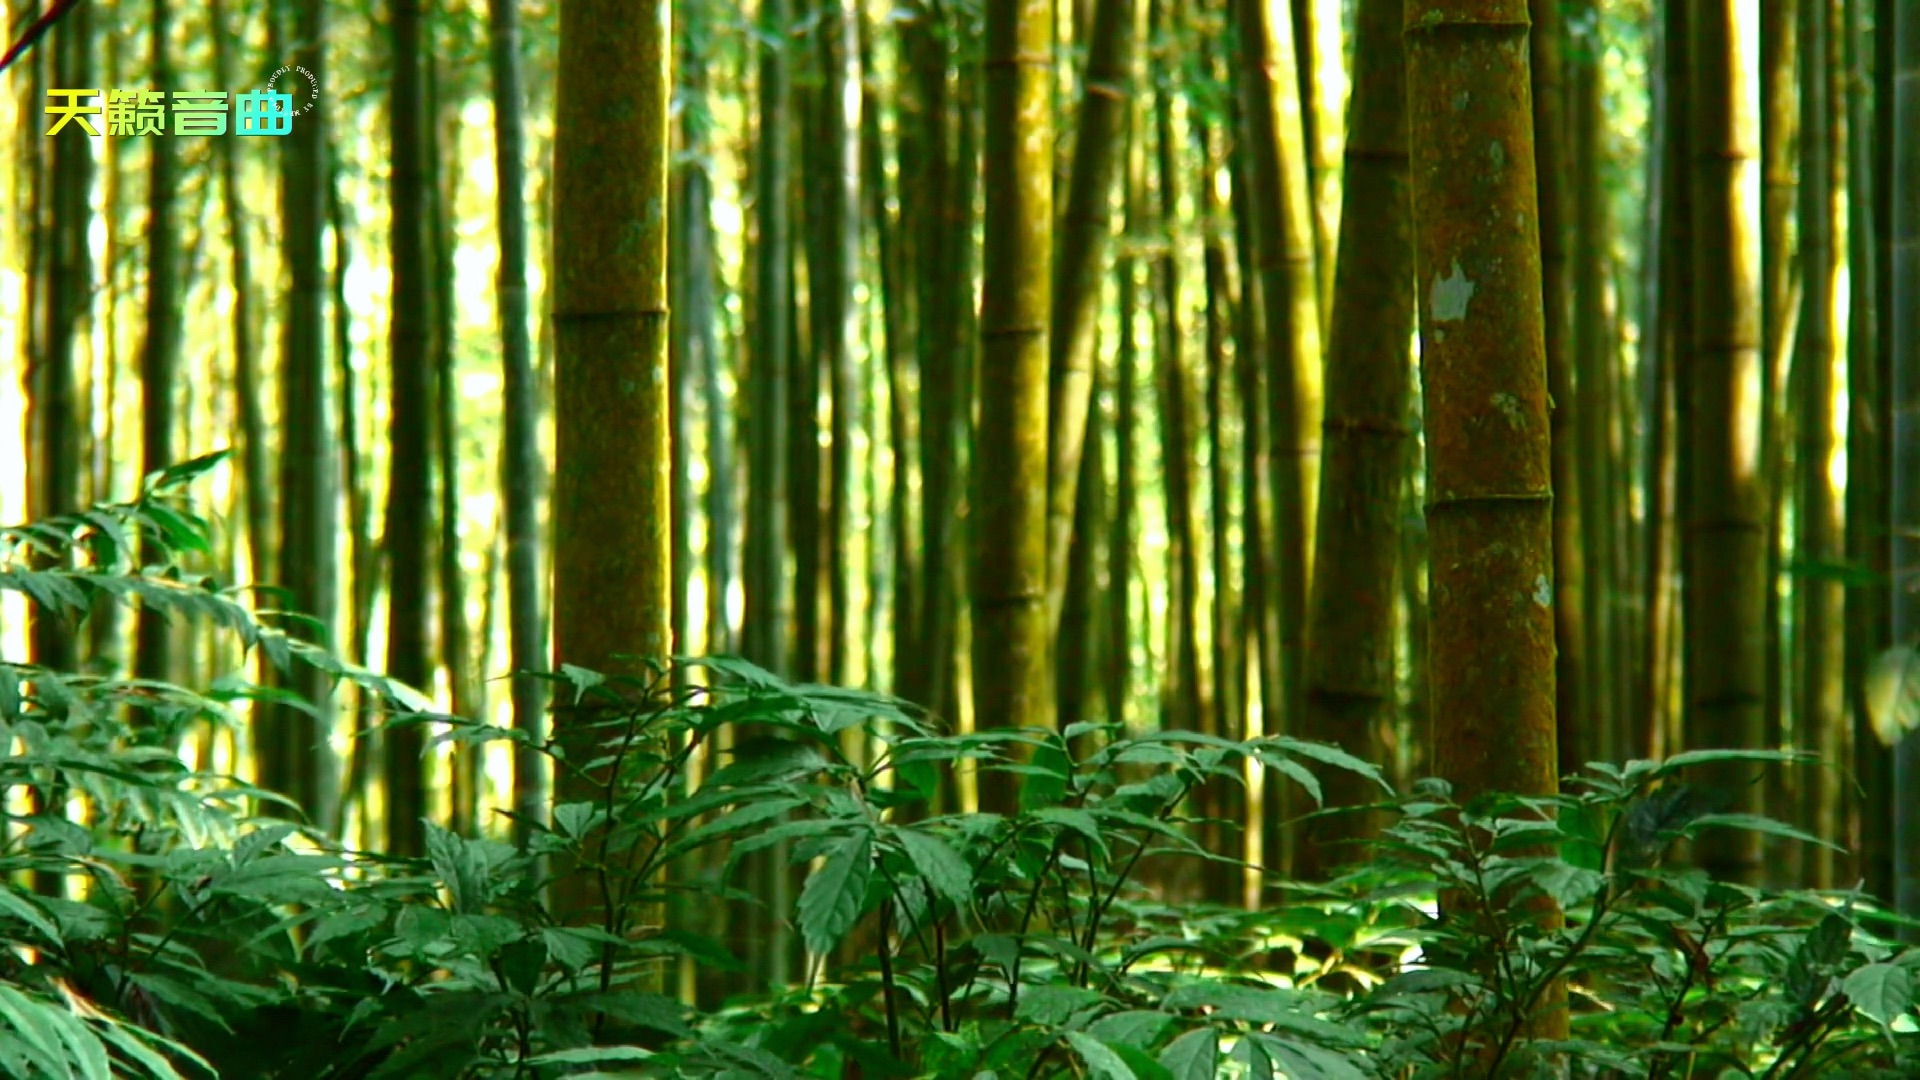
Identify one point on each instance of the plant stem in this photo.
(1808, 1037)
(886, 978)
(1601, 901)
(940, 976)
(1026, 920)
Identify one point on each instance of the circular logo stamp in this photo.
(312, 89)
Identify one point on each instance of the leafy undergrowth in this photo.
(212, 940)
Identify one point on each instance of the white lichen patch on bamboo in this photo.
(1451, 294)
(1542, 591)
(1509, 407)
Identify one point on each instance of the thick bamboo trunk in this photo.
(1181, 689)
(1726, 604)
(1351, 692)
(1289, 301)
(409, 487)
(1077, 268)
(291, 743)
(764, 631)
(1484, 381)
(160, 351)
(1818, 702)
(1012, 673)
(1904, 302)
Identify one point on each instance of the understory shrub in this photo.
(215, 933)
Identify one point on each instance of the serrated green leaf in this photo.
(1424, 981)
(706, 800)
(592, 1055)
(574, 818)
(939, 864)
(178, 531)
(1759, 824)
(1826, 945)
(1100, 1060)
(1305, 1061)
(83, 1046)
(34, 1035)
(1000, 949)
(1110, 816)
(1194, 1055)
(571, 947)
(581, 679)
(347, 924)
(835, 708)
(1147, 753)
(521, 963)
(1880, 992)
(1331, 755)
(279, 879)
(763, 1063)
(1049, 785)
(1084, 727)
(483, 935)
(135, 1047)
(804, 829)
(1051, 1005)
(181, 996)
(111, 528)
(1075, 820)
(1249, 1053)
(460, 866)
(1140, 1061)
(23, 908)
(745, 671)
(1568, 885)
(1693, 758)
(419, 926)
(1131, 1027)
(738, 820)
(235, 688)
(1284, 1009)
(767, 760)
(1294, 771)
(184, 472)
(830, 901)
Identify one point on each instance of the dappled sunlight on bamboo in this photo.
(1316, 425)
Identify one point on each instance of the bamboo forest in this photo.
(1111, 539)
